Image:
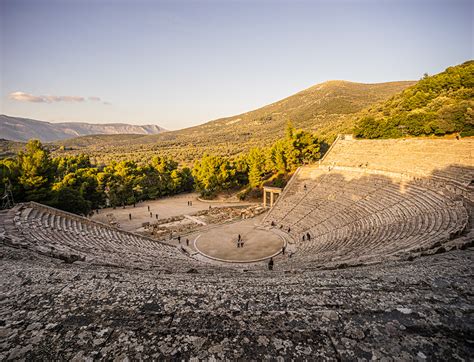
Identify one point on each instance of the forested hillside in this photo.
(76, 184)
(327, 109)
(436, 105)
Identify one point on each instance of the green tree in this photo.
(256, 163)
(34, 166)
(213, 173)
(69, 199)
(436, 105)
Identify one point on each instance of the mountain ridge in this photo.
(23, 129)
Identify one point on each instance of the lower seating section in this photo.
(75, 238)
(354, 217)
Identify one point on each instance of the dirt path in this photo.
(164, 208)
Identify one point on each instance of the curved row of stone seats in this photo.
(446, 162)
(75, 238)
(359, 217)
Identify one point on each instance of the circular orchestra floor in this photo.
(220, 243)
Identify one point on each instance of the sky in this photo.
(181, 63)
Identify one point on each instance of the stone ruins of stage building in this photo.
(272, 191)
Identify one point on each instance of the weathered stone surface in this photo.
(401, 310)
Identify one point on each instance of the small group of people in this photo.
(281, 226)
(307, 236)
(240, 242)
(179, 240)
(190, 203)
(151, 215)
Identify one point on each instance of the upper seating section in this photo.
(445, 159)
(68, 236)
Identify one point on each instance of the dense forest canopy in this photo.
(436, 105)
(75, 184)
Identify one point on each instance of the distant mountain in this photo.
(23, 129)
(327, 108)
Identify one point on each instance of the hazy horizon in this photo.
(179, 64)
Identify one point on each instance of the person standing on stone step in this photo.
(179, 239)
(187, 242)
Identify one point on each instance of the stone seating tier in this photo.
(354, 217)
(53, 232)
(450, 160)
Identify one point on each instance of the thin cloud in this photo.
(26, 97)
(51, 99)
